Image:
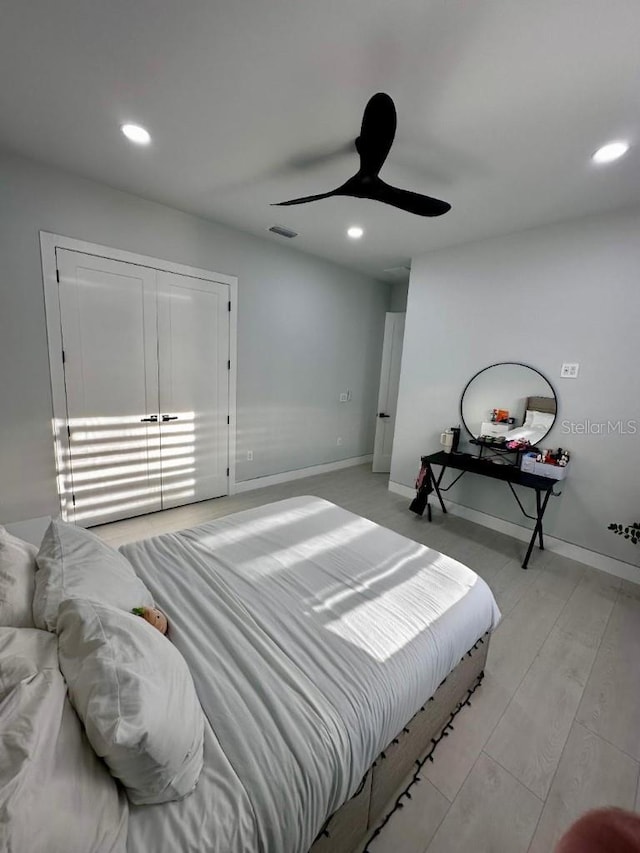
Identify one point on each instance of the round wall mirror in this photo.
(511, 400)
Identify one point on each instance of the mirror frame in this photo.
(519, 364)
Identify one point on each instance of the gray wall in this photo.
(399, 293)
(307, 330)
(565, 293)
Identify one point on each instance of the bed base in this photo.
(356, 820)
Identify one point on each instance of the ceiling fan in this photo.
(373, 145)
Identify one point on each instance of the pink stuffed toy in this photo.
(153, 616)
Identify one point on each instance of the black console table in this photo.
(509, 474)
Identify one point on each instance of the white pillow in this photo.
(544, 419)
(134, 693)
(57, 796)
(74, 563)
(17, 570)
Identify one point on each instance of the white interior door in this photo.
(108, 319)
(193, 347)
(388, 394)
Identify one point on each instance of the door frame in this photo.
(48, 244)
(387, 352)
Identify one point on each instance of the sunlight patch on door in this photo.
(111, 466)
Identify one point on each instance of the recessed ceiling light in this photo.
(355, 232)
(136, 134)
(610, 152)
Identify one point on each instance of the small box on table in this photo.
(541, 469)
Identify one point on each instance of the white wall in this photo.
(307, 329)
(563, 293)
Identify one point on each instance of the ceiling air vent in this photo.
(283, 232)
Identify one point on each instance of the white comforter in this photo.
(313, 636)
(533, 433)
(56, 796)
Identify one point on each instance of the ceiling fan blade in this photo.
(319, 157)
(304, 199)
(377, 133)
(421, 205)
(377, 190)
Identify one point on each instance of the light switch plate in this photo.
(569, 371)
(343, 398)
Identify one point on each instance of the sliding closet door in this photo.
(193, 349)
(108, 315)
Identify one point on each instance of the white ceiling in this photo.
(500, 105)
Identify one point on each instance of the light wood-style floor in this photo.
(553, 731)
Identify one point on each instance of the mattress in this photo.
(313, 635)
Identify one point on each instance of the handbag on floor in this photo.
(424, 489)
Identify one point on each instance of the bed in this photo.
(540, 414)
(315, 639)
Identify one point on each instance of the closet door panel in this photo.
(193, 348)
(108, 316)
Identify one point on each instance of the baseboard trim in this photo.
(627, 571)
(300, 473)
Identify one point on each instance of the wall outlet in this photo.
(249, 455)
(344, 398)
(339, 440)
(569, 371)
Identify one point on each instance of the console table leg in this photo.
(537, 530)
(530, 548)
(538, 508)
(436, 486)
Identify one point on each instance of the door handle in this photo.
(166, 418)
(153, 419)
(382, 415)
